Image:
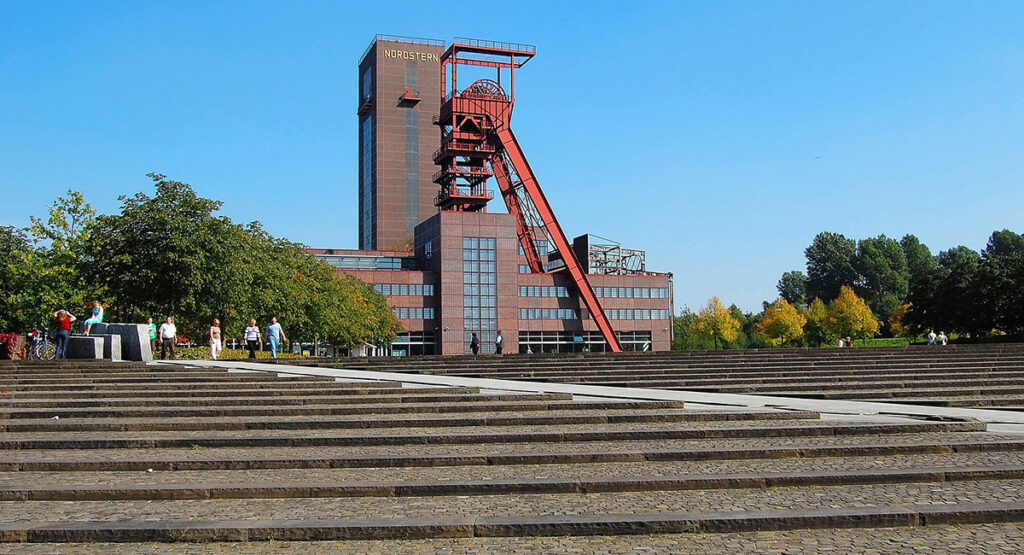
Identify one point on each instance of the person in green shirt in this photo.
(152, 335)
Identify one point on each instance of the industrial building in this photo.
(428, 148)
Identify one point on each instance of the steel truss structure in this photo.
(477, 143)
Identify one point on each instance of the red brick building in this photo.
(465, 272)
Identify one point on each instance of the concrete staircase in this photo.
(92, 451)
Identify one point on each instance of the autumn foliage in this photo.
(781, 323)
(716, 322)
(850, 316)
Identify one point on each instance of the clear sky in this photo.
(720, 137)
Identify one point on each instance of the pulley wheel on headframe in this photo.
(485, 88)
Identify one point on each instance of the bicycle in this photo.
(40, 347)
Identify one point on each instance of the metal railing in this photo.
(497, 45)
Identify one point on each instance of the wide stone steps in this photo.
(393, 405)
(201, 455)
(661, 511)
(319, 438)
(430, 455)
(305, 422)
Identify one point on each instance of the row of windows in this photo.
(479, 289)
(525, 269)
(470, 266)
(413, 313)
(632, 292)
(548, 314)
(481, 300)
(480, 312)
(478, 243)
(636, 314)
(542, 248)
(347, 262)
(543, 291)
(479, 254)
(474, 277)
(426, 290)
(474, 324)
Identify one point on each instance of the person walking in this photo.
(931, 337)
(97, 317)
(168, 336)
(474, 344)
(215, 344)
(152, 335)
(499, 343)
(275, 335)
(64, 319)
(942, 338)
(251, 335)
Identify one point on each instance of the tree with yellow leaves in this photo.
(815, 332)
(850, 316)
(896, 324)
(715, 321)
(780, 323)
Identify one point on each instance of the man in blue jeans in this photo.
(275, 335)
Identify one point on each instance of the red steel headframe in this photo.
(477, 142)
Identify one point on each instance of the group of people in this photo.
(168, 333)
(63, 319)
(940, 339)
(499, 343)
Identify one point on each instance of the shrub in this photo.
(12, 346)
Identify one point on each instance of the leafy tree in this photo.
(169, 254)
(1004, 243)
(815, 332)
(14, 248)
(896, 322)
(781, 323)
(716, 322)
(1000, 282)
(45, 276)
(850, 316)
(683, 338)
(920, 262)
(792, 286)
(830, 264)
(884, 277)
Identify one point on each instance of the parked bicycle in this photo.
(40, 345)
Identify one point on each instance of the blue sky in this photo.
(718, 136)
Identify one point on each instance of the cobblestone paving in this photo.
(503, 448)
(768, 427)
(509, 472)
(900, 495)
(938, 540)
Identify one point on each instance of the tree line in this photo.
(875, 286)
(169, 254)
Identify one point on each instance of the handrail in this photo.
(478, 43)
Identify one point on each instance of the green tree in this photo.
(999, 282)
(781, 323)
(792, 286)
(850, 316)
(920, 261)
(683, 337)
(14, 249)
(830, 264)
(815, 332)
(716, 322)
(169, 254)
(884, 277)
(45, 275)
